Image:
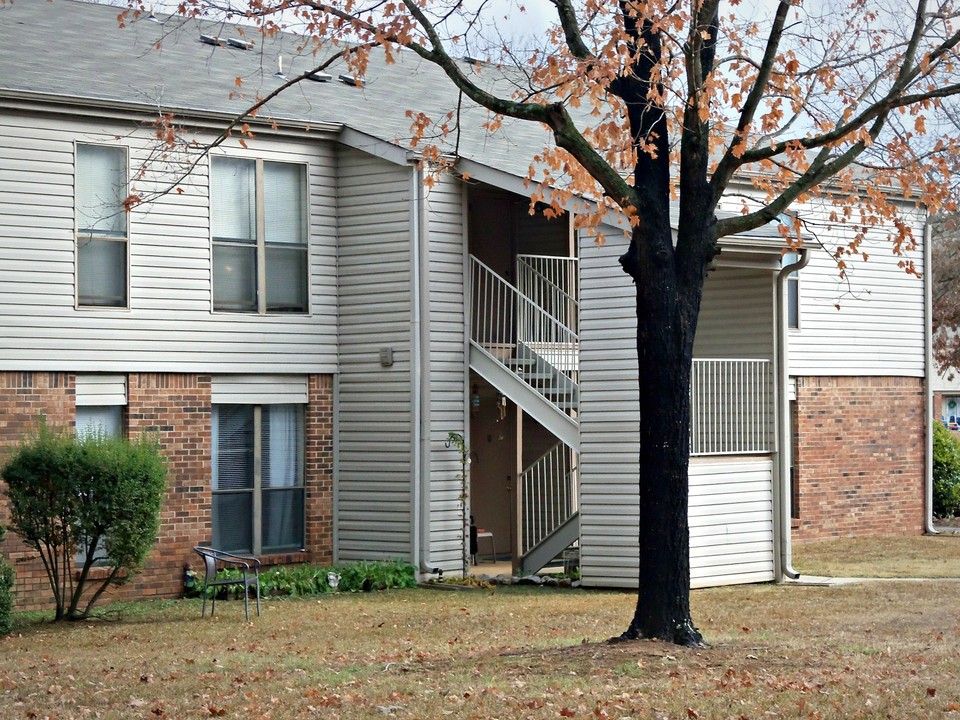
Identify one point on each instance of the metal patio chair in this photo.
(249, 566)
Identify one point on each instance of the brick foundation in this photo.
(858, 457)
(176, 409)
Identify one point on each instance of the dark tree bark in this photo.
(669, 281)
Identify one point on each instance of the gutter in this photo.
(784, 436)
(929, 371)
(420, 376)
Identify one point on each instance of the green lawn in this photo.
(935, 556)
(872, 650)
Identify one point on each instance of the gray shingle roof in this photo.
(76, 50)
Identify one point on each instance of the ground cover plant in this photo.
(872, 650)
(309, 580)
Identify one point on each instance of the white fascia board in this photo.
(376, 146)
(27, 101)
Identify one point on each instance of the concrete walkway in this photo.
(824, 581)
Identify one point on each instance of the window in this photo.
(106, 420)
(793, 292)
(259, 236)
(258, 497)
(101, 187)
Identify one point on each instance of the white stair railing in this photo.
(549, 492)
(535, 346)
(553, 284)
(731, 407)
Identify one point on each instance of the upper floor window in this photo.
(101, 187)
(259, 236)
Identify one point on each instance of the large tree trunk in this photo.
(668, 303)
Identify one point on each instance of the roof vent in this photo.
(351, 80)
(472, 60)
(153, 18)
(279, 72)
(239, 43)
(211, 40)
(318, 76)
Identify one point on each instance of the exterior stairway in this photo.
(520, 346)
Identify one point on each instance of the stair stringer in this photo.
(567, 533)
(562, 426)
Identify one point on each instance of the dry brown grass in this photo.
(932, 556)
(873, 650)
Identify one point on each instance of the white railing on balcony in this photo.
(537, 347)
(549, 489)
(731, 407)
(553, 284)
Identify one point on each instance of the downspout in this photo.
(784, 437)
(928, 372)
(420, 375)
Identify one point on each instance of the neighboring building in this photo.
(945, 385)
(304, 322)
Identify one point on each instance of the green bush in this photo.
(6, 591)
(97, 495)
(946, 472)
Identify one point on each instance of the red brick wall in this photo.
(174, 408)
(859, 457)
(318, 469)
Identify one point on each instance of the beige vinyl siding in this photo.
(731, 521)
(447, 368)
(375, 432)
(736, 315)
(169, 326)
(609, 417)
(737, 306)
(879, 326)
